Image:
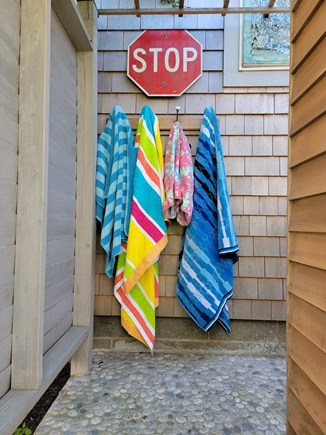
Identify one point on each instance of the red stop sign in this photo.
(164, 62)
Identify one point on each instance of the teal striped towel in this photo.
(116, 161)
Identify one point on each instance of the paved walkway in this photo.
(134, 393)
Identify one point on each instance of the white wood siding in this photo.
(9, 82)
(62, 187)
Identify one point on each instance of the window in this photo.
(265, 42)
(256, 49)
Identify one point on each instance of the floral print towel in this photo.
(178, 177)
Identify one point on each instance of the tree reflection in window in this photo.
(265, 41)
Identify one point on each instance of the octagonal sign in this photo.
(164, 62)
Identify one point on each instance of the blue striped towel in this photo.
(116, 161)
(205, 280)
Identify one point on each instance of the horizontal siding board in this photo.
(61, 205)
(67, 148)
(9, 96)
(314, 134)
(56, 333)
(8, 195)
(10, 23)
(313, 70)
(303, 277)
(309, 178)
(308, 394)
(309, 320)
(65, 65)
(63, 68)
(308, 249)
(57, 313)
(9, 128)
(8, 163)
(303, 15)
(289, 429)
(310, 107)
(62, 177)
(6, 322)
(62, 118)
(63, 107)
(7, 255)
(8, 229)
(60, 228)
(308, 357)
(63, 88)
(57, 292)
(62, 73)
(60, 250)
(6, 291)
(5, 354)
(5, 381)
(295, 4)
(309, 38)
(299, 418)
(9, 56)
(63, 151)
(308, 214)
(64, 59)
(9, 68)
(58, 272)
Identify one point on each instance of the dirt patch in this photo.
(35, 416)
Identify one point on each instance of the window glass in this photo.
(265, 40)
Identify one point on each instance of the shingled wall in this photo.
(253, 123)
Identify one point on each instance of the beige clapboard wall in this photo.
(306, 311)
(9, 83)
(254, 127)
(59, 279)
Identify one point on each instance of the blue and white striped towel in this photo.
(210, 246)
(116, 161)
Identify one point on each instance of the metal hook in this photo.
(177, 108)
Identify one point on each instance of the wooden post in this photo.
(85, 206)
(27, 353)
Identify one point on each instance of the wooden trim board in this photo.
(83, 305)
(34, 109)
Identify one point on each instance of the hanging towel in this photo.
(178, 177)
(136, 283)
(116, 160)
(210, 246)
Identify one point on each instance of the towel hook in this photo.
(177, 108)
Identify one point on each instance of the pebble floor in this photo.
(129, 393)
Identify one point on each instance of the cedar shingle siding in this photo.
(253, 124)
